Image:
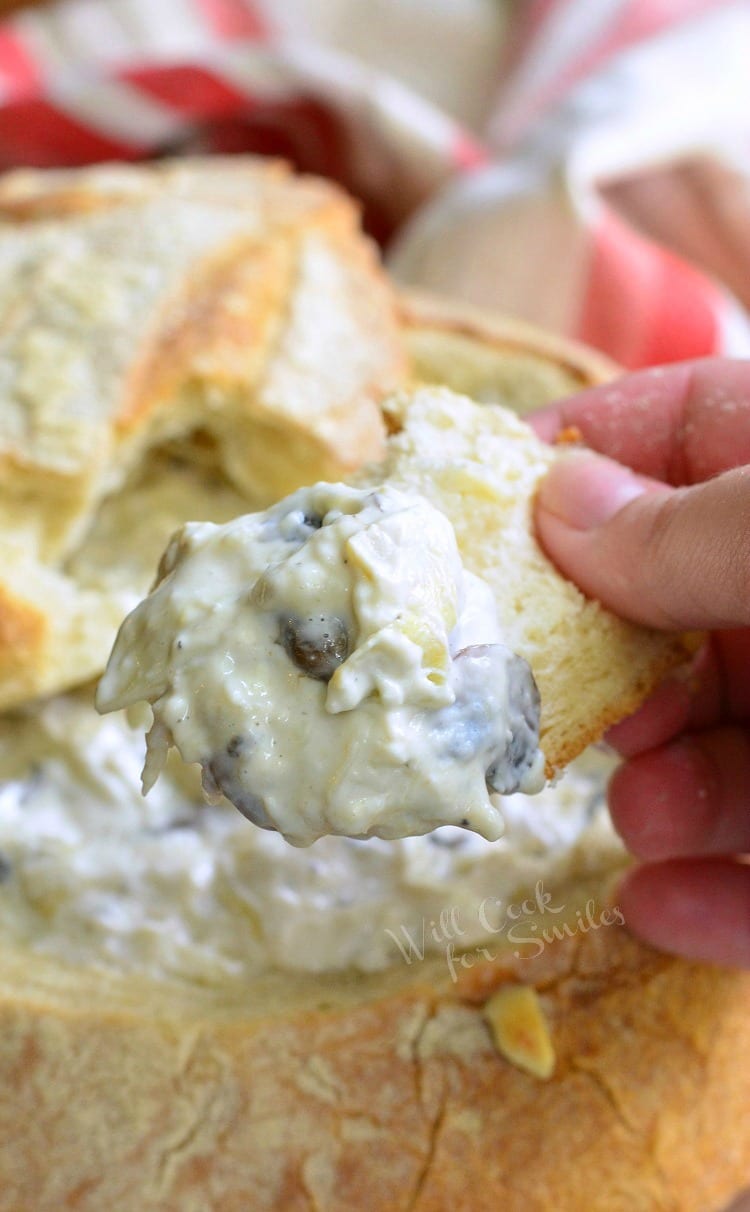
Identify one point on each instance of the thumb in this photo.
(672, 558)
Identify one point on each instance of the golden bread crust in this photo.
(386, 1103)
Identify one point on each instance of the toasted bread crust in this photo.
(385, 1103)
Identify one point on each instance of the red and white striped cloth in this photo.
(584, 165)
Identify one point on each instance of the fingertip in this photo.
(697, 908)
(568, 502)
(637, 798)
(580, 495)
(583, 490)
(658, 720)
(661, 801)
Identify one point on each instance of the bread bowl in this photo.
(132, 1087)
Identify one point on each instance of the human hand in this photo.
(668, 544)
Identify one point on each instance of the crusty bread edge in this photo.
(505, 334)
(673, 657)
(399, 1103)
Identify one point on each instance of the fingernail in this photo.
(584, 490)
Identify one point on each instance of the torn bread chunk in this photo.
(368, 660)
(229, 310)
(481, 466)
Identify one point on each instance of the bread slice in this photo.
(386, 1092)
(226, 305)
(481, 466)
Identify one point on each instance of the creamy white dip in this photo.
(334, 670)
(93, 873)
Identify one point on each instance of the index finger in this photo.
(681, 424)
